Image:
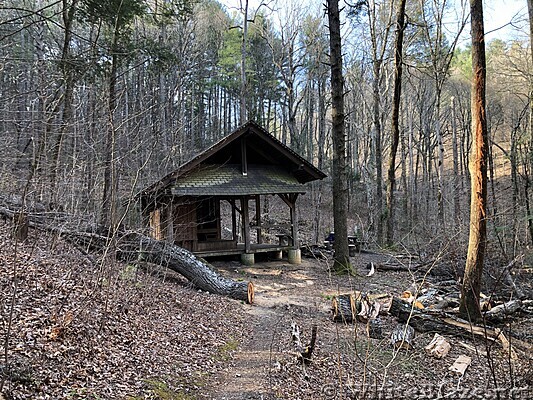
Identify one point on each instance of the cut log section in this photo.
(368, 310)
(402, 337)
(438, 347)
(344, 308)
(460, 365)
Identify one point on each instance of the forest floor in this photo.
(85, 327)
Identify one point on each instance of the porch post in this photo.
(233, 219)
(294, 254)
(258, 218)
(248, 257)
(294, 221)
(246, 223)
(170, 222)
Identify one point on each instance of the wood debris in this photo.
(460, 365)
(304, 352)
(438, 347)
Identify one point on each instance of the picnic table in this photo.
(354, 243)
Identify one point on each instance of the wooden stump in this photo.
(402, 337)
(344, 308)
(21, 222)
(304, 352)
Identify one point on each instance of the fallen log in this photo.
(133, 246)
(437, 321)
(503, 311)
(396, 266)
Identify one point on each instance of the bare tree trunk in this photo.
(342, 261)
(321, 122)
(109, 195)
(469, 307)
(243, 102)
(67, 70)
(395, 129)
(377, 155)
(456, 192)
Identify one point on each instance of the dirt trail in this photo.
(281, 290)
(246, 375)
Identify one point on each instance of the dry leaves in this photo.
(106, 330)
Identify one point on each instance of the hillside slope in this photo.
(87, 328)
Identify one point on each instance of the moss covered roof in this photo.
(228, 180)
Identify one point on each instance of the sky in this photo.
(504, 19)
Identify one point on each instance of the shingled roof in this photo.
(272, 168)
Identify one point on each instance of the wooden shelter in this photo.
(184, 207)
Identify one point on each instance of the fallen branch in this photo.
(395, 267)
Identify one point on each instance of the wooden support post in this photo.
(290, 200)
(258, 218)
(246, 223)
(233, 219)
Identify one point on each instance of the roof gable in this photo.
(262, 148)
